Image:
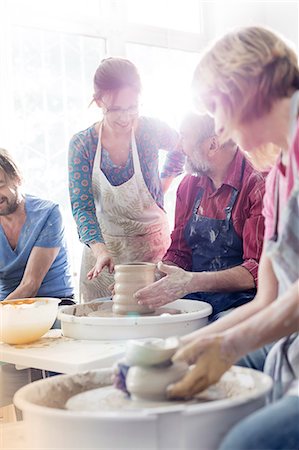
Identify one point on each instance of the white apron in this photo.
(133, 226)
(282, 362)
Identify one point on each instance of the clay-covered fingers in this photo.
(94, 272)
(91, 274)
(194, 382)
(103, 260)
(152, 295)
(190, 352)
(111, 265)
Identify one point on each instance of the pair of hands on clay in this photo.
(174, 283)
(211, 356)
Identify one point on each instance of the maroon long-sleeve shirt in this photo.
(247, 216)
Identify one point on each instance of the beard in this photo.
(197, 168)
(11, 205)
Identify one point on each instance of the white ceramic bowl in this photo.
(171, 426)
(150, 352)
(25, 320)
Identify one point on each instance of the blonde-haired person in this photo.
(114, 183)
(249, 81)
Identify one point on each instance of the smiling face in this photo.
(10, 196)
(120, 108)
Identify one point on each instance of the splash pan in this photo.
(108, 420)
(95, 320)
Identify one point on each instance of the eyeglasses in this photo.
(117, 112)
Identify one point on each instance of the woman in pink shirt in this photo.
(249, 81)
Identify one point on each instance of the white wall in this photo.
(282, 16)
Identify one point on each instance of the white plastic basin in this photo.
(75, 322)
(198, 426)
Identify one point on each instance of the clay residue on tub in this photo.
(232, 385)
(56, 391)
(85, 309)
(104, 309)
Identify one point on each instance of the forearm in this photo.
(230, 320)
(279, 319)
(98, 248)
(166, 182)
(229, 280)
(88, 228)
(266, 294)
(25, 289)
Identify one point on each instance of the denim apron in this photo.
(216, 246)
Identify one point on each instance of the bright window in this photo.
(172, 14)
(166, 76)
(50, 51)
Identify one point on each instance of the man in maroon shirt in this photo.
(218, 235)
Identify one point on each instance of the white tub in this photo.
(77, 325)
(198, 426)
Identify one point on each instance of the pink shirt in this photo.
(286, 180)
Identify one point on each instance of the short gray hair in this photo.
(203, 123)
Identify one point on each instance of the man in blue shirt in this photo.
(33, 256)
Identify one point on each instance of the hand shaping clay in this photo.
(151, 382)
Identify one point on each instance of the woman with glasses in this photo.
(114, 182)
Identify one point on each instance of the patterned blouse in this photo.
(151, 136)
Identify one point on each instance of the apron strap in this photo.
(198, 199)
(228, 210)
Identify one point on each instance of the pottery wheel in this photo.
(104, 309)
(232, 385)
(95, 320)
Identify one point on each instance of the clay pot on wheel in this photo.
(129, 278)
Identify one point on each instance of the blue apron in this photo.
(216, 246)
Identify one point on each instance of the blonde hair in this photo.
(246, 71)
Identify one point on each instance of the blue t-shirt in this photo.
(43, 228)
